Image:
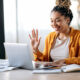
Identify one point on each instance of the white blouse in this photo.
(60, 51)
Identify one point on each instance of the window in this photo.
(21, 16)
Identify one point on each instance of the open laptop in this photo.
(18, 55)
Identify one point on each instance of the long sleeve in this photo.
(73, 60)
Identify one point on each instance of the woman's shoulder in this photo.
(51, 35)
(75, 31)
(75, 34)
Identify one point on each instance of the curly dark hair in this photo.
(63, 11)
(63, 7)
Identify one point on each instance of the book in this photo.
(70, 68)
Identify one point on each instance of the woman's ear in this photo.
(68, 20)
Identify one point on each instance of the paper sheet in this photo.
(4, 65)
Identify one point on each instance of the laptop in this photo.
(19, 55)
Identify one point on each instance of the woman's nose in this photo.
(53, 24)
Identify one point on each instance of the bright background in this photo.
(21, 16)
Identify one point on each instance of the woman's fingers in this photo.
(52, 64)
(48, 64)
(37, 34)
(39, 40)
(34, 37)
(33, 33)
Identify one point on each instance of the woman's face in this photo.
(59, 22)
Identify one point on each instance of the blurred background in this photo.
(21, 16)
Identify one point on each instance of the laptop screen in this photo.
(19, 55)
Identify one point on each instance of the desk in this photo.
(22, 74)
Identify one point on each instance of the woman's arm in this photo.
(73, 60)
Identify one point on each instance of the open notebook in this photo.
(71, 68)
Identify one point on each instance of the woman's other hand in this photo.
(34, 40)
(58, 63)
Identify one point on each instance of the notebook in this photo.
(71, 68)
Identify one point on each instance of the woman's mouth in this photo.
(56, 28)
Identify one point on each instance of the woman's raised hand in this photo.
(34, 40)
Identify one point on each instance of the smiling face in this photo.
(59, 22)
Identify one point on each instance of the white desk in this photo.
(22, 74)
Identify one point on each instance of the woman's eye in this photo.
(57, 20)
(51, 21)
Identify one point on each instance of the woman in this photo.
(63, 45)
